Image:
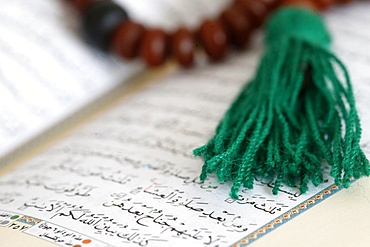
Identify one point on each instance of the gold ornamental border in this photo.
(280, 220)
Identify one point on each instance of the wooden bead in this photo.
(271, 4)
(256, 11)
(183, 47)
(237, 25)
(323, 4)
(214, 39)
(303, 3)
(126, 41)
(100, 21)
(154, 47)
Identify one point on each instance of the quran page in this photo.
(47, 71)
(132, 177)
(129, 177)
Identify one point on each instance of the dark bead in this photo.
(183, 47)
(154, 47)
(127, 39)
(256, 11)
(100, 21)
(214, 39)
(81, 5)
(237, 25)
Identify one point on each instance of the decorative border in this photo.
(280, 220)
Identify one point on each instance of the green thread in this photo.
(295, 114)
(297, 22)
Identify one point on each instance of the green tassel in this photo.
(297, 112)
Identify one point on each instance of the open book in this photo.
(127, 176)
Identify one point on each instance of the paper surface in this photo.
(132, 177)
(129, 177)
(47, 72)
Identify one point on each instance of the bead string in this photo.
(107, 26)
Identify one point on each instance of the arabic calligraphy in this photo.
(176, 198)
(118, 176)
(78, 189)
(289, 191)
(170, 170)
(170, 223)
(99, 223)
(6, 198)
(62, 236)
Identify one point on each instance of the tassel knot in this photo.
(297, 23)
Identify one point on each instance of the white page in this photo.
(47, 71)
(131, 177)
(138, 158)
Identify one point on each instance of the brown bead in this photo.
(303, 3)
(323, 4)
(183, 47)
(271, 4)
(256, 11)
(126, 41)
(214, 39)
(154, 47)
(237, 25)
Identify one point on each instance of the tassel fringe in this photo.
(296, 114)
